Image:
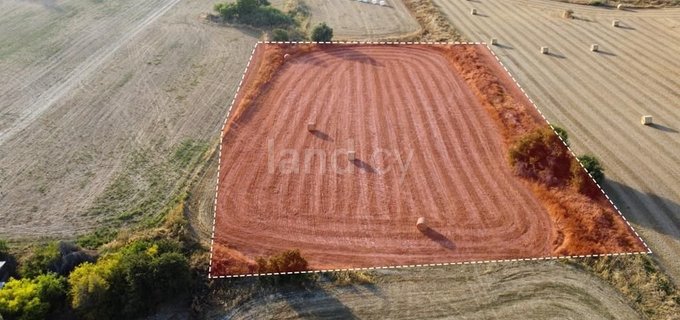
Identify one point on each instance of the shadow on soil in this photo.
(630, 200)
(364, 166)
(352, 54)
(439, 238)
(322, 135)
(325, 305)
(662, 128)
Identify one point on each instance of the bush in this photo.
(131, 282)
(42, 260)
(562, 134)
(592, 166)
(58, 257)
(280, 35)
(256, 13)
(287, 261)
(541, 156)
(322, 33)
(28, 299)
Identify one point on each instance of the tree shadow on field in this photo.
(317, 303)
(641, 208)
(354, 54)
(439, 238)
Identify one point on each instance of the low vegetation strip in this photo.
(585, 220)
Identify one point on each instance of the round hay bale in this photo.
(421, 225)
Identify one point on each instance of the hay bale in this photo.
(594, 47)
(351, 155)
(545, 50)
(620, 6)
(286, 56)
(473, 11)
(383, 3)
(646, 120)
(568, 14)
(421, 225)
(494, 41)
(615, 23)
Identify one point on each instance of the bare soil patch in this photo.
(429, 143)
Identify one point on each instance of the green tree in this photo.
(28, 299)
(322, 33)
(42, 260)
(592, 166)
(280, 35)
(131, 282)
(562, 134)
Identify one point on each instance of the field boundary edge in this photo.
(546, 258)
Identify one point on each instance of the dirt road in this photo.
(599, 97)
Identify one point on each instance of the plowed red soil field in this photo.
(425, 147)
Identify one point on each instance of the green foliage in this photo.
(4, 248)
(540, 155)
(256, 13)
(42, 260)
(280, 35)
(28, 299)
(562, 134)
(129, 283)
(322, 33)
(592, 166)
(289, 260)
(97, 238)
(57, 257)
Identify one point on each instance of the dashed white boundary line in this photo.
(219, 157)
(649, 251)
(219, 166)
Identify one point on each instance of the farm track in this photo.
(495, 291)
(381, 98)
(599, 97)
(104, 82)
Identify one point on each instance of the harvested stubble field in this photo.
(526, 290)
(105, 105)
(354, 20)
(430, 126)
(599, 96)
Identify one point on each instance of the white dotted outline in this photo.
(649, 251)
(219, 159)
(238, 89)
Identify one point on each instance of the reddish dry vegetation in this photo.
(430, 127)
(585, 221)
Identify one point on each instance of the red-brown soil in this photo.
(401, 107)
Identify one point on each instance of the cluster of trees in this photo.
(256, 13)
(60, 278)
(260, 14)
(540, 155)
